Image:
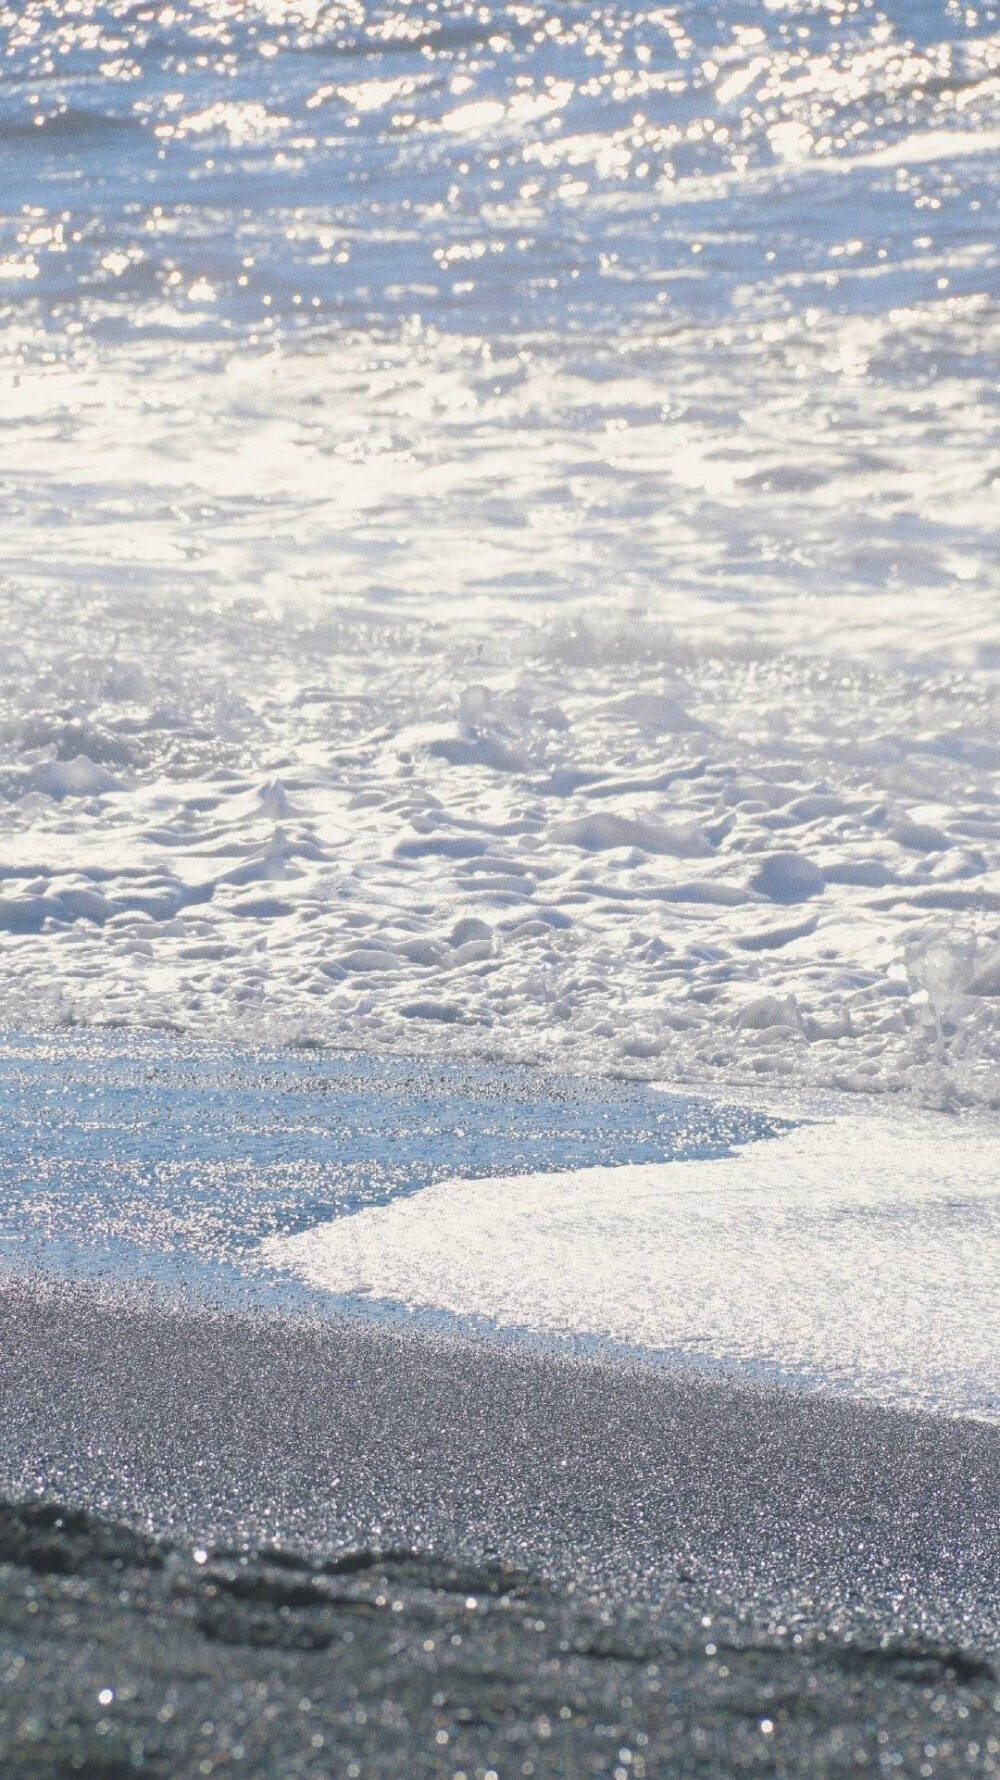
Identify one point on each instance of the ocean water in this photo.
(139, 1158)
(853, 1253)
(497, 552)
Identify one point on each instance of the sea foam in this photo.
(530, 470)
(860, 1256)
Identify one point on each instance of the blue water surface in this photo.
(136, 1157)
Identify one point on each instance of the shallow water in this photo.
(852, 1254)
(133, 1159)
(517, 465)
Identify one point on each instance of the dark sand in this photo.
(846, 1558)
(120, 1657)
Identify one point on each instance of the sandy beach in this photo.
(635, 1560)
(499, 890)
(126, 1656)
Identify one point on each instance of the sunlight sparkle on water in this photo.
(622, 376)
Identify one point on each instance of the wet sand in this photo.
(845, 1559)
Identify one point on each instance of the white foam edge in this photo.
(861, 1251)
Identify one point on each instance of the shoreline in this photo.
(630, 1479)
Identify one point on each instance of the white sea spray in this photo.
(497, 533)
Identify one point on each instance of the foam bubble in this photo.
(862, 1256)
